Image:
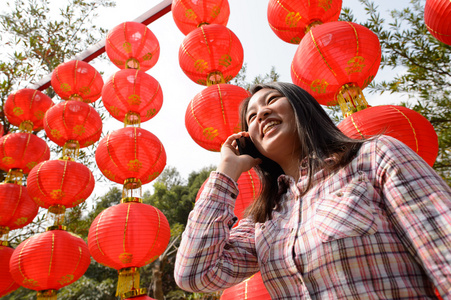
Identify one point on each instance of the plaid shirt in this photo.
(379, 228)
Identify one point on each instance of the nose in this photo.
(263, 113)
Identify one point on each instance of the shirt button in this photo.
(339, 194)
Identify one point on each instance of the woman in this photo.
(337, 218)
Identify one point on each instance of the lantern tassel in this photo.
(351, 99)
(47, 295)
(128, 280)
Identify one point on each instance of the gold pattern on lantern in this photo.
(147, 56)
(79, 129)
(39, 114)
(55, 133)
(57, 194)
(66, 279)
(319, 86)
(225, 60)
(127, 47)
(7, 160)
(200, 65)
(38, 201)
(21, 221)
(355, 65)
(65, 87)
(153, 176)
(17, 111)
(351, 99)
(126, 258)
(86, 90)
(292, 19)
(114, 110)
(134, 99)
(29, 282)
(134, 165)
(325, 4)
(190, 14)
(215, 11)
(151, 112)
(108, 174)
(210, 133)
(31, 164)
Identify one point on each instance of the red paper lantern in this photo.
(77, 80)
(131, 45)
(251, 289)
(56, 183)
(334, 56)
(17, 208)
(128, 235)
(131, 153)
(49, 260)
(291, 19)
(213, 115)
(249, 186)
(400, 122)
(26, 109)
(7, 283)
(188, 15)
(437, 17)
(73, 121)
(132, 96)
(22, 150)
(211, 54)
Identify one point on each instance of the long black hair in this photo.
(319, 138)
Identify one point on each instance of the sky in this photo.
(262, 50)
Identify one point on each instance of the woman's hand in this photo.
(232, 163)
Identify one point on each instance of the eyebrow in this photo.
(264, 96)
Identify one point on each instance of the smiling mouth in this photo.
(269, 126)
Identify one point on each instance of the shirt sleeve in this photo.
(212, 256)
(421, 204)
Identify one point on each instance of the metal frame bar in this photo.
(89, 54)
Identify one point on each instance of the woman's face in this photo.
(272, 125)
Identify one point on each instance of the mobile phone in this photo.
(245, 146)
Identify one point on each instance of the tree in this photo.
(423, 69)
(34, 40)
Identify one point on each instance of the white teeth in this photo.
(270, 125)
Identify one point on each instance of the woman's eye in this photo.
(272, 99)
(251, 118)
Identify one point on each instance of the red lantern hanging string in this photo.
(77, 80)
(189, 15)
(400, 122)
(49, 261)
(113, 240)
(18, 209)
(73, 125)
(26, 109)
(22, 151)
(131, 156)
(211, 54)
(335, 61)
(437, 17)
(131, 45)
(60, 184)
(132, 96)
(292, 19)
(212, 115)
(7, 283)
